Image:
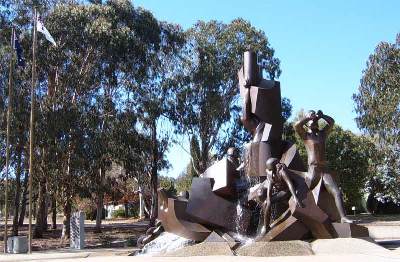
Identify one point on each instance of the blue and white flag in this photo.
(18, 50)
(40, 27)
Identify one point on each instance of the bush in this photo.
(133, 210)
(118, 213)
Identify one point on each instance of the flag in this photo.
(18, 50)
(40, 27)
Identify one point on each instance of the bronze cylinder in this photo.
(251, 68)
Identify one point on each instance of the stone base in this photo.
(341, 246)
(274, 249)
(202, 249)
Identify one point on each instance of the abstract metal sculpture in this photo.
(311, 199)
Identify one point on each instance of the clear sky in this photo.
(323, 45)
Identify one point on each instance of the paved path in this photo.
(67, 254)
(317, 258)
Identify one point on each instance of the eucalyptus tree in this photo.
(205, 104)
(377, 104)
(353, 158)
(151, 92)
(115, 57)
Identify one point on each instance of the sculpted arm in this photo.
(299, 126)
(266, 206)
(330, 122)
(284, 173)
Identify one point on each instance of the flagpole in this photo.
(9, 111)
(31, 133)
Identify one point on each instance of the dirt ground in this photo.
(115, 233)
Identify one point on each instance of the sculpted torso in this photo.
(315, 146)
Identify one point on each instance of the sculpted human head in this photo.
(313, 123)
(271, 164)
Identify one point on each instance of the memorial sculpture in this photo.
(221, 200)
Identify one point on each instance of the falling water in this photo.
(239, 236)
(239, 216)
(243, 185)
(166, 242)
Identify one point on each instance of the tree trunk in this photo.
(67, 219)
(147, 207)
(54, 213)
(99, 212)
(23, 202)
(17, 190)
(66, 231)
(141, 203)
(154, 178)
(126, 209)
(41, 215)
(204, 159)
(99, 204)
(46, 212)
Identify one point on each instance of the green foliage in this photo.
(351, 157)
(133, 211)
(184, 181)
(119, 213)
(205, 94)
(168, 183)
(98, 92)
(378, 108)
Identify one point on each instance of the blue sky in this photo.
(323, 45)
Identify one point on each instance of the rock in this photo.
(276, 248)
(202, 249)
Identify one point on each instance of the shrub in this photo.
(118, 213)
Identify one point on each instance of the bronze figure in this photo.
(278, 178)
(314, 140)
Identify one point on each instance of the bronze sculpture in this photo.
(314, 141)
(262, 115)
(278, 178)
(219, 199)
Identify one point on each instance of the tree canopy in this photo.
(205, 105)
(377, 104)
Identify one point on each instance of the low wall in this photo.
(384, 232)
